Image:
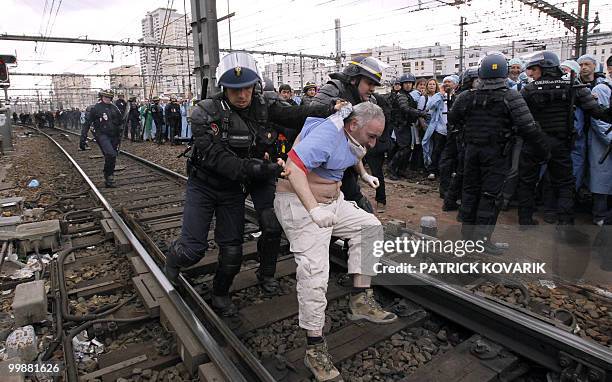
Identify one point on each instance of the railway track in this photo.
(264, 342)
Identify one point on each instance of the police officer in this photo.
(226, 166)
(488, 116)
(404, 114)
(134, 120)
(549, 99)
(453, 155)
(122, 104)
(173, 118)
(354, 84)
(157, 114)
(310, 90)
(107, 123)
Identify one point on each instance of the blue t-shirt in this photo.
(323, 148)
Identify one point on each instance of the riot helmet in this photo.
(407, 77)
(237, 70)
(368, 67)
(493, 66)
(268, 85)
(544, 60)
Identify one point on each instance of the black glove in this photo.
(257, 168)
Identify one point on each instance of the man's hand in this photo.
(339, 104)
(286, 171)
(372, 181)
(322, 217)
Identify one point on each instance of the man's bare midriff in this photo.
(324, 190)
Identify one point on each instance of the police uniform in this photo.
(549, 100)
(157, 113)
(122, 106)
(107, 124)
(340, 87)
(134, 119)
(452, 159)
(488, 116)
(404, 114)
(173, 117)
(224, 168)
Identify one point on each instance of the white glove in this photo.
(372, 181)
(322, 217)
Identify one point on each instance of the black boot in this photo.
(228, 267)
(550, 217)
(109, 181)
(268, 248)
(224, 306)
(175, 260)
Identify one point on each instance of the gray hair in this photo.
(366, 112)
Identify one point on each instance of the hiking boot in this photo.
(84, 147)
(224, 306)
(319, 362)
(364, 306)
(381, 207)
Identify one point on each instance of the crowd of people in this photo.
(499, 135)
(491, 135)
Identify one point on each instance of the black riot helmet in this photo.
(268, 86)
(493, 65)
(544, 60)
(368, 67)
(407, 77)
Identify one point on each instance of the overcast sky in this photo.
(272, 25)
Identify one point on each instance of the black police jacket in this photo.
(226, 137)
(492, 114)
(105, 119)
(339, 87)
(121, 105)
(173, 111)
(404, 113)
(549, 100)
(134, 114)
(157, 113)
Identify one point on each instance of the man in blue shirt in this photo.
(311, 208)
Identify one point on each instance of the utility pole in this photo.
(205, 45)
(583, 30)
(301, 71)
(577, 23)
(461, 24)
(338, 45)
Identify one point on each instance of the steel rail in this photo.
(213, 349)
